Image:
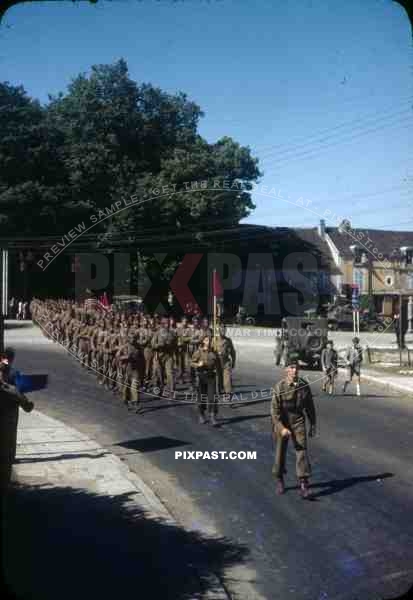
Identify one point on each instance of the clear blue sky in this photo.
(320, 90)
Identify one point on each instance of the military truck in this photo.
(304, 340)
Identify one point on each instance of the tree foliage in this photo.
(107, 138)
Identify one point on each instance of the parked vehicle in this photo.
(304, 340)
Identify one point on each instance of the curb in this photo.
(216, 590)
(385, 382)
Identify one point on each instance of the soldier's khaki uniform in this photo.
(164, 346)
(184, 335)
(197, 335)
(146, 334)
(226, 362)
(289, 406)
(207, 400)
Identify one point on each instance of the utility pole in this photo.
(4, 306)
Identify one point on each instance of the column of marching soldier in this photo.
(134, 353)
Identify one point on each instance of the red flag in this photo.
(217, 289)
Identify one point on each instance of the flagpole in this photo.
(214, 307)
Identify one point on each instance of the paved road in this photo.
(353, 541)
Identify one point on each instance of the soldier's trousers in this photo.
(148, 356)
(130, 391)
(163, 372)
(329, 377)
(299, 440)
(121, 377)
(83, 355)
(207, 400)
(183, 362)
(225, 380)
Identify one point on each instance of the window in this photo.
(407, 255)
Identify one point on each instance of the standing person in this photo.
(329, 364)
(12, 308)
(354, 360)
(25, 310)
(400, 327)
(164, 346)
(226, 363)
(183, 341)
(20, 310)
(292, 401)
(279, 347)
(205, 361)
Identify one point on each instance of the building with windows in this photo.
(379, 263)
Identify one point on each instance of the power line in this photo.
(352, 131)
(314, 153)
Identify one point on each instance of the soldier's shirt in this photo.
(208, 358)
(290, 403)
(226, 351)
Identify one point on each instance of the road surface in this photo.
(354, 540)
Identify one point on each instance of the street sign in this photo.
(355, 297)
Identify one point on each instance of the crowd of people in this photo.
(132, 353)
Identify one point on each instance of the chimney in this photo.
(322, 229)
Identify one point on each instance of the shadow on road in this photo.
(71, 543)
(152, 444)
(338, 485)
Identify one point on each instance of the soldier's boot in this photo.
(202, 420)
(304, 489)
(212, 420)
(345, 386)
(358, 390)
(280, 486)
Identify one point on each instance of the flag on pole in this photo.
(217, 289)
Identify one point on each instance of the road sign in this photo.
(355, 297)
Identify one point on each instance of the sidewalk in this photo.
(402, 383)
(80, 524)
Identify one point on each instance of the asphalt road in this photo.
(352, 541)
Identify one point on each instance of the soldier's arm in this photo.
(233, 353)
(276, 409)
(309, 406)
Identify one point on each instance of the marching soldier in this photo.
(183, 341)
(196, 336)
(226, 363)
(164, 345)
(329, 363)
(354, 360)
(292, 401)
(205, 362)
(146, 333)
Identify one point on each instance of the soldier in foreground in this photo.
(292, 401)
(205, 362)
(354, 360)
(329, 363)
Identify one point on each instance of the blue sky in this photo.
(321, 90)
